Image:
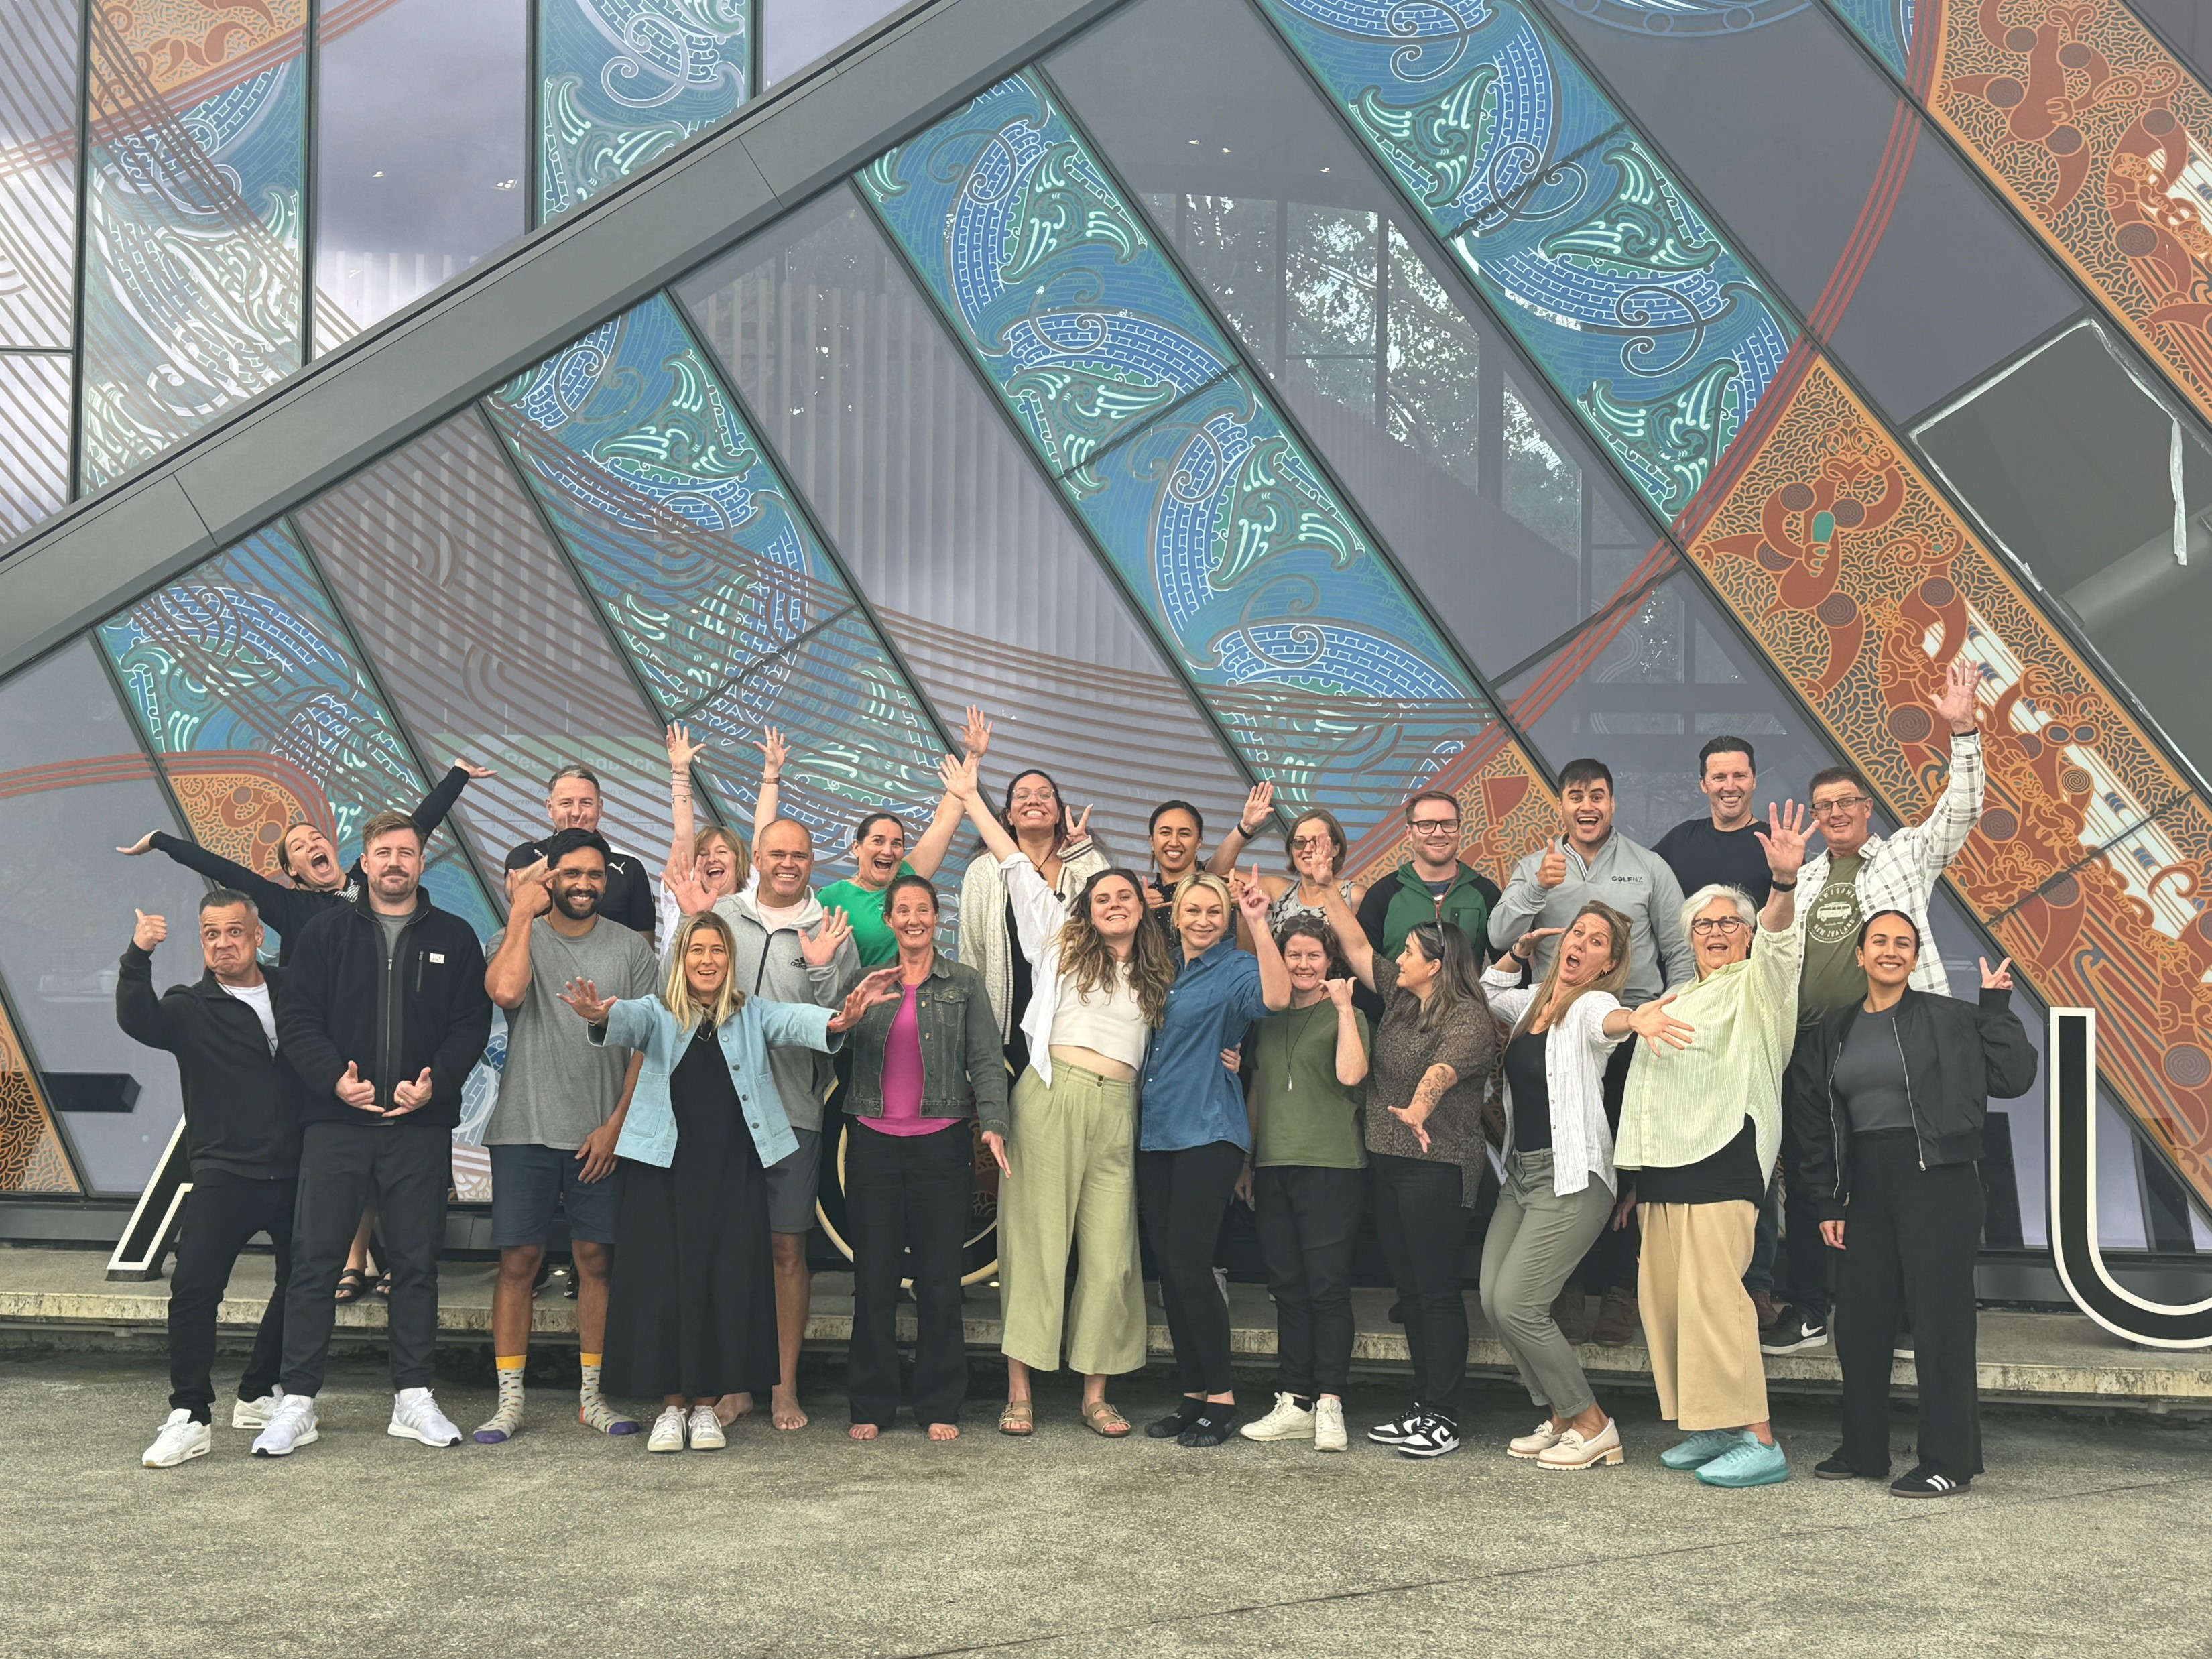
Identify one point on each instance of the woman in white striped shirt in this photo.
(1558, 1188)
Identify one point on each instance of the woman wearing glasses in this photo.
(1698, 1133)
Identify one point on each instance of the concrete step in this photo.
(2057, 1359)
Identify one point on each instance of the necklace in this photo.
(1301, 1021)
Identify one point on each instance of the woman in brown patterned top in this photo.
(1434, 1052)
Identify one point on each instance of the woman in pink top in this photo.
(928, 1072)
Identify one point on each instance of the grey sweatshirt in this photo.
(770, 966)
(1634, 880)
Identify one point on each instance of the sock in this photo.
(593, 1412)
(1304, 1402)
(508, 1420)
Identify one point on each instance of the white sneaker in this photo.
(1578, 1451)
(291, 1426)
(1328, 1424)
(1538, 1440)
(667, 1430)
(1288, 1421)
(416, 1416)
(255, 1413)
(706, 1430)
(179, 1441)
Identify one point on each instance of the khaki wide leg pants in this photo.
(1697, 1318)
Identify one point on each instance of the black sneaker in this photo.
(1431, 1436)
(1171, 1426)
(1211, 1427)
(1924, 1482)
(1794, 1332)
(1833, 1468)
(1393, 1432)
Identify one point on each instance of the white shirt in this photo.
(1575, 1054)
(256, 997)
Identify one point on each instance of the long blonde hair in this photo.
(1610, 981)
(1086, 959)
(676, 991)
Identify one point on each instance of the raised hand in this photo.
(411, 1094)
(152, 930)
(472, 768)
(1251, 897)
(355, 1089)
(1998, 978)
(681, 750)
(584, 997)
(819, 948)
(144, 844)
(1783, 838)
(975, 734)
(957, 773)
(1259, 805)
(1529, 940)
(1340, 991)
(688, 887)
(773, 753)
(1957, 704)
(1554, 870)
(1652, 1022)
(530, 890)
(1077, 828)
(879, 987)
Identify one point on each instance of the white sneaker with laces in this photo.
(291, 1426)
(179, 1441)
(706, 1429)
(1576, 1451)
(1328, 1424)
(255, 1413)
(667, 1434)
(416, 1416)
(1288, 1421)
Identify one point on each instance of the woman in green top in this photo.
(1308, 1067)
(879, 853)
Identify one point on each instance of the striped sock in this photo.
(506, 1421)
(593, 1412)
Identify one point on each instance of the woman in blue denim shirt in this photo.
(691, 1310)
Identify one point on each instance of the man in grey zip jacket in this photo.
(789, 950)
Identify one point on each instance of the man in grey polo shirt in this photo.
(561, 1105)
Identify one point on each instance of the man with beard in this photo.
(562, 1101)
(574, 801)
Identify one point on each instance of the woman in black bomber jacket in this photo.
(1890, 1106)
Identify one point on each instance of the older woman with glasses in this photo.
(1700, 1129)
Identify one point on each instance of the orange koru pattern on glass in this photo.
(1861, 585)
(175, 42)
(1505, 809)
(2086, 120)
(240, 815)
(31, 1156)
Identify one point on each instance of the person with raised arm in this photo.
(1174, 832)
(1058, 845)
(1434, 1049)
(692, 1311)
(1067, 1162)
(704, 866)
(1558, 1186)
(1699, 1127)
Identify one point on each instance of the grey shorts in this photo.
(528, 1181)
(792, 1184)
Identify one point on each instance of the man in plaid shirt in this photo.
(1857, 876)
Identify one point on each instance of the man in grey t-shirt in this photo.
(562, 1101)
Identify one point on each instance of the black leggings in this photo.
(1423, 1229)
(1183, 1195)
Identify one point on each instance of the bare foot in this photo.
(732, 1407)
(859, 1431)
(784, 1411)
(944, 1431)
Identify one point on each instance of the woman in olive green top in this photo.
(1308, 1068)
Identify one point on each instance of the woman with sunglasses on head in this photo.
(1434, 1049)
(1557, 1191)
(1059, 847)
(1067, 1164)
(1314, 849)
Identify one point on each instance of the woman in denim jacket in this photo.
(691, 1310)
(927, 1065)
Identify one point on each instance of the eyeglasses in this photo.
(1034, 798)
(1717, 925)
(1841, 804)
(1432, 826)
(1307, 843)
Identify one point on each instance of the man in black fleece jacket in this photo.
(243, 1148)
(308, 860)
(383, 1014)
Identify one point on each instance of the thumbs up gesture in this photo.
(149, 932)
(355, 1090)
(410, 1094)
(1554, 870)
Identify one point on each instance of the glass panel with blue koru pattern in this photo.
(245, 658)
(1886, 25)
(1590, 251)
(728, 606)
(1301, 640)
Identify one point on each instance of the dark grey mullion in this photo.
(1282, 412)
(310, 179)
(76, 469)
(533, 104)
(756, 50)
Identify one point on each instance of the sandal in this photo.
(384, 1284)
(1103, 1420)
(353, 1285)
(1018, 1417)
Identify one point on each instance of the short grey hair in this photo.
(1698, 901)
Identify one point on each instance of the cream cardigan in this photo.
(981, 942)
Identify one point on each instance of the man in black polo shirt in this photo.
(573, 801)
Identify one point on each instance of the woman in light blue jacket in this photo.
(691, 1310)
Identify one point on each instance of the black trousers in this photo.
(1423, 1229)
(1183, 1195)
(1611, 1263)
(1910, 1239)
(406, 1170)
(221, 1213)
(907, 1201)
(1806, 1269)
(1308, 1219)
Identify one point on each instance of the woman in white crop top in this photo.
(1068, 1170)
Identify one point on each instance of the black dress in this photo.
(691, 1310)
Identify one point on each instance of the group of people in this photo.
(1648, 1077)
